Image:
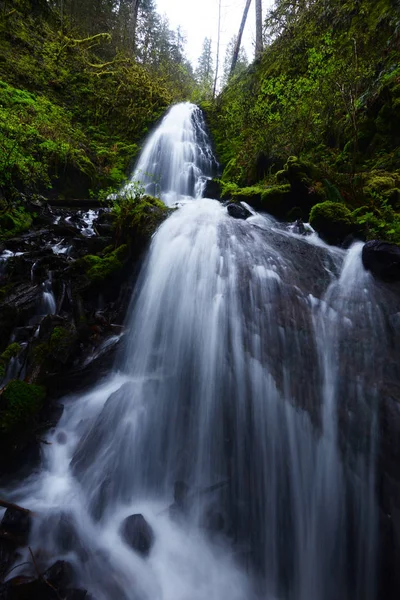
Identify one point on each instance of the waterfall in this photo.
(250, 374)
(177, 159)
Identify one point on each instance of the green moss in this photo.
(276, 200)
(333, 221)
(10, 352)
(383, 185)
(99, 269)
(20, 403)
(137, 218)
(62, 343)
(13, 222)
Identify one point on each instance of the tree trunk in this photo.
(135, 11)
(218, 46)
(259, 40)
(239, 37)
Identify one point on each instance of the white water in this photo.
(250, 359)
(177, 159)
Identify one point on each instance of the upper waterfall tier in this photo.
(177, 158)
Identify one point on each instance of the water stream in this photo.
(250, 361)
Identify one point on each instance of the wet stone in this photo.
(17, 523)
(138, 534)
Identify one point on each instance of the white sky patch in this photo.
(199, 19)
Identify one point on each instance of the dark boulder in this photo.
(7, 557)
(17, 523)
(59, 574)
(382, 259)
(213, 189)
(238, 212)
(138, 534)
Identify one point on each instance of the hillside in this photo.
(74, 105)
(317, 117)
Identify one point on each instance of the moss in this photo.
(99, 269)
(137, 218)
(20, 403)
(333, 221)
(384, 186)
(14, 222)
(276, 200)
(61, 344)
(10, 352)
(252, 195)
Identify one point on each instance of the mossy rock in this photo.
(383, 186)
(252, 195)
(20, 403)
(277, 200)
(10, 352)
(62, 343)
(137, 219)
(297, 172)
(14, 222)
(99, 269)
(333, 221)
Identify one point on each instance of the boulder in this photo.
(17, 522)
(138, 534)
(59, 574)
(238, 212)
(382, 259)
(212, 189)
(333, 221)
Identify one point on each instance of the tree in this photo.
(241, 64)
(259, 40)
(239, 36)
(218, 45)
(204, 73)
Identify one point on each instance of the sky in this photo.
(199, 19)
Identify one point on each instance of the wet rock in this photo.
(298, 227)
(104, 229)
(60, 574)
(138, 534)
(7, 557)
(74, 594)
(382, 259)
(24, 299)
(66, 229)
(237, 212)
(17, 523)
(213, 189)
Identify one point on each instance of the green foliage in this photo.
(69, 119)
(99, 270)
(136, 215)
(326, 91)
(20, 403)
(332, 220)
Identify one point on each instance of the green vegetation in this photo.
(13, 220)
(319, 111)
(332, 220)
(10, 352)
(137, 215)
(73, 104)
(20, 403)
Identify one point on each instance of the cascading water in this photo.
(249, 364)
(177, 159)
